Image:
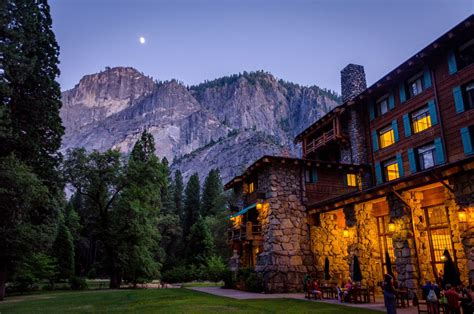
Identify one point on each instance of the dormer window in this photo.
(415, 85)
(466, 54)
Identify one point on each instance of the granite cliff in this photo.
(225, 123)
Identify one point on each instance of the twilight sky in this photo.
(302, 41)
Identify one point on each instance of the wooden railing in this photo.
(316, 192)
(320, 141)
(246, 231)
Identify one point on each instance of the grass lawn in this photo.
(159, 301)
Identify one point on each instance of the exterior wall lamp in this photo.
(345, 232)
(391, 226)
(462, 215)
(259, 206)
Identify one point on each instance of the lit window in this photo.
(421, 120)
(426, 156)
(415, 85)
(391, 170)
(468, 94)
(387, 137)
(382, 106)
(251, 187)
(351, 179)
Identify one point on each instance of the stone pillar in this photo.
(403, 239)
(352, 81)
(286, 255)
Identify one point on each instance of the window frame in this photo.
(429, 147)
(378, 103)
(351, 178)
(383, 131)
(424, 110)
(468, 102)
(410, 81)
(459, 52)
(385, 165)
(252, 187)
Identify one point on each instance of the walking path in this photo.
(244, 295)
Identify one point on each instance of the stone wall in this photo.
(286, 255)
(328, 240)
(352, 81)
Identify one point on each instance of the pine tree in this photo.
(199, 242)
(167, 189)
(213, 201)
(178, 188)
(191, 204)
(63, 251)
(30, 132)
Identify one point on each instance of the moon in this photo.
(142, 40)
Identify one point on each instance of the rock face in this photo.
(226, 123)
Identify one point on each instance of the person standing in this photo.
(389, 295)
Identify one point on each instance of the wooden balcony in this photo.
(316, 192)
(248, 231)
(316, 143)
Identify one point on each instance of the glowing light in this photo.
(142, 40)
(259, 206)
(345, 233)
(462, 215)
(391, 226)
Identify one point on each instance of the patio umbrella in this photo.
(326, 269)
(357, 276)
(388, 263)
(451, 273)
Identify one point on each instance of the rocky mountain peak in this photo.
(225, 123)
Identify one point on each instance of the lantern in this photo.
(462, 215)
(345, 233)
(391, 226)
(259, 206)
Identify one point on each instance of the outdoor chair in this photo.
(422, 307)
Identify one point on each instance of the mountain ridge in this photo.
(225, 123)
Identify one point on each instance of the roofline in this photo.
(419, 56)
(266, 159)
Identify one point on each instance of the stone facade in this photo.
(353, 81)
(286, 255)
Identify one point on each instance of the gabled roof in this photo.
(417, 60)
(267, 159)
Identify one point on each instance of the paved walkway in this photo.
(243, 295)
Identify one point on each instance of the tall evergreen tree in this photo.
(167, 189)
(63, 251)
(31, 98)
(30, 132)
(213, 201)
(192, 203)
(199, 242)
(135, 218)
(178, 188)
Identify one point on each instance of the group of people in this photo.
(312, 289)
(454, 297)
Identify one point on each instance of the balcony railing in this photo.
(320, 141)
(246, 231)
(316, 192)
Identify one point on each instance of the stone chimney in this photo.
(352, 81)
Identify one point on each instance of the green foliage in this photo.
(178, 188)
(33, 269)
(192, 203)
(63, 251)
(251, 280)
(229, 279)
(78, 283)
(199, 243)
(215, 268)
(212, 201)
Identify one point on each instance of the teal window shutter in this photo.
(372, 110)
(375, 140)
(403, 96)
(453, 68)
(439, 153)
(400, 165)
(466, 141)
(412, 160)
(433, 112)
(407, 125)
(314, 175)
(395, 130)
(391, 101)
(378, 173)
(427, 77)
(458, 101)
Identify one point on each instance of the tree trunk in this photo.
(115, 280)
(3, 281)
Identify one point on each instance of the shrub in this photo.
(229, 279)
(215, 268)
(254, 282)
(78, 283)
